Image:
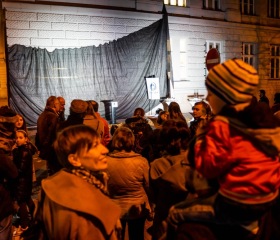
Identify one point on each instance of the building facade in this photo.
(249, 30)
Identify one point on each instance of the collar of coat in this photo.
(49, 109)
(123, 154)
(74, 193)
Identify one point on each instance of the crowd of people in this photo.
(217, 177)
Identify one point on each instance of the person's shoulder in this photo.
(159, 161)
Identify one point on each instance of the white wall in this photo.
(51, 27)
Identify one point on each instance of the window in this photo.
(213, 44)
(275, 61)
(249, 53)
(247, 7)
(179, 3)
(274, 8)
(179, 59)
(211, 4)
(183, 59)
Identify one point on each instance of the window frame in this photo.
(273, 9)
(249, 53)
(211, 43)
(247, 7)
(274, 61)
(215, 4)
(178, 3)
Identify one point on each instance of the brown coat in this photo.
(75, 209)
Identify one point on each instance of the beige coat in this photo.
(128, 183)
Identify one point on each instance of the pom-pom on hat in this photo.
(78, 106)
(233, 81)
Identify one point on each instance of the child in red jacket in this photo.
(238, 147)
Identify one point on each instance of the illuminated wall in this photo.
(193, 29)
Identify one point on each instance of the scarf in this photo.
(98, 179)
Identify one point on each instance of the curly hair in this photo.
(175, 136)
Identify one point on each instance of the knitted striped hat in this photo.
(233, 81)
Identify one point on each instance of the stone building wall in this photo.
(50, 27)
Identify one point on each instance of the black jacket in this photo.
(46, 132)
(8, 172)
(22, 158)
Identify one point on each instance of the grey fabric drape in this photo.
(114, 71)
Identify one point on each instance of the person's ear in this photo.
(74, 160)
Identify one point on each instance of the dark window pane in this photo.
(246, 49)
(272, 51)
(272, 68)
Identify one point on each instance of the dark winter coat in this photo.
(8, 171)
(168, 184)
(22, 158)
(46, 132)
(73, 119)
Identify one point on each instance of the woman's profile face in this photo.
(95, 159)
(19, 122)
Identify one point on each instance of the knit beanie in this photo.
(233, 81)
(78, 106)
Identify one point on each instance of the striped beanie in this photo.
(233, 81)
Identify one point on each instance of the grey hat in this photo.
(78, 106)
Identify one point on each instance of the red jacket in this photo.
(106, 136)
(245, 173)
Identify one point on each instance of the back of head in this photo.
(174, 107)
(123, 139)
(233, 81)
(74, 139)
(175, 112)
(175, 136)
